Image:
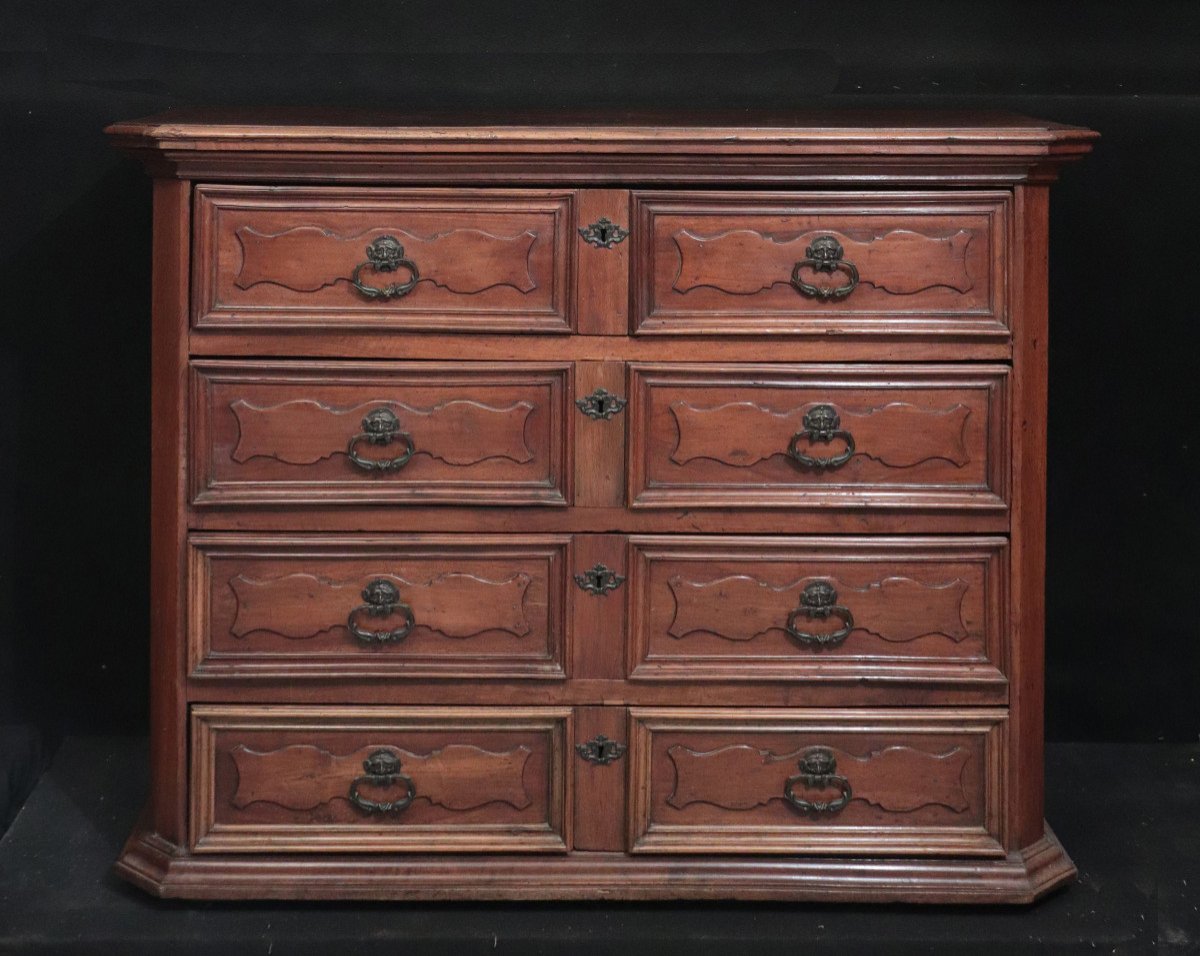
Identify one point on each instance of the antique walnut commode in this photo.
(615, 507)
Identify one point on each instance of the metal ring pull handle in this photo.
(818, 602)
(817, 772)
(381, 427)
(383, 600)
(825, 255)
(385, 254)
(382, 770)
(821, 424)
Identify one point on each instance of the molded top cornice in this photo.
(844, 146)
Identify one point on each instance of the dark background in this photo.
(1123, 639)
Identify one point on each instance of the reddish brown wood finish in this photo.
(282, 607)
(717, 608)
(718, 436)
(280, 779)
(168, 520)
(284, 259)
(271, 433)
(917, 782)
(265, 533)
(723, 263)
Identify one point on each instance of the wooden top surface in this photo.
(725, 126)
(297, 145)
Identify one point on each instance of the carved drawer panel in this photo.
(334, 606)
(325, 433)
(462, 260)
(817, 263)
(299, 779)
(884, 609)
(821, 436)
(918, 782)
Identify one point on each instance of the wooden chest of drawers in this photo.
(598, 507)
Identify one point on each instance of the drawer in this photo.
(799, 609)
(373, 606)
(819, 436)
(882, 264)
(407, 260)
(909, 782)
(379, 433)
(300, 779)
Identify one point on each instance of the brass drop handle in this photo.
(381, 427)
(818, 769)
(821, 424)
(383, 600)
(385, 254)
(825, 255)
(818, 602)
(382, 770)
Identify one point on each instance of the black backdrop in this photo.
(1124, 538)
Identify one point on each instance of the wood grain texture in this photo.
(706, 608)
(1027, 635)
(282, 259)
(885, 607)
(454, 776)
(600, 789)
(265, 531)
(743, 434)
(304, 432)
(279, 606)
(713, 781)
(281, 433)
(789, 148)
(718, 436)
(168, 494)
(603, 274)
(897, 779)
(929, 265)
(1020, 877)
(278, 779)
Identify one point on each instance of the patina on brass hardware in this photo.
(818, 602)
(599, 580)
(381, 427)
(385, 254)
(382, 770)
(601, 750)
(818, 769)
(601, 404)
(603, 233)
(821, 424)
(383, 600)
(825, 255)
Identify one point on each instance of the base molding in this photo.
(160, 868)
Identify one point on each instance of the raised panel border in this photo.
(210, 199)
(992, 324)
(556, 491)
(203, 663)
(985, 841)
(207, 836)
(988, 671)
(992, 378)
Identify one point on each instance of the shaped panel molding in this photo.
(299, 257)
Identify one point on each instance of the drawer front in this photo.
(372, 606)
(327, 433)
(891, 610)
(299, 779)
(870, 263)
(819, 436)
(465, 260)
(852, 782)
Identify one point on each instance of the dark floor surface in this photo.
(1129, 816)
